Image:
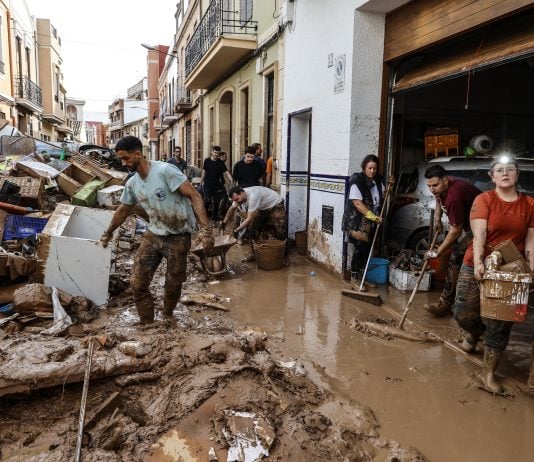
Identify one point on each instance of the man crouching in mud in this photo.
(169, 200)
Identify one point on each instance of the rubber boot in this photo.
(145, 309)
(439, 308)
(171, 299)
(489, 366)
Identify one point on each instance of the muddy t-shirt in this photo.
(168, 210)
(457, 202)
(506, 220)
(259, 198)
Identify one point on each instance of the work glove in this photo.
(105, 238)
(372, 217)
(206, 237)
(431, 254)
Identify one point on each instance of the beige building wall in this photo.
(6, 84)
(189, 126)
(235, 112)
(51, 79)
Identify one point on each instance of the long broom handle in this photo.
(419, 279)
(386, 195)
(79, 438)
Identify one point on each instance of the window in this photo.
(1, 48)
(245, 11)
(28, 64)
(19, 56)
(269, 115)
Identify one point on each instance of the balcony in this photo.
(169, 117)
(218, 44)
(182, 104)
(28, 94)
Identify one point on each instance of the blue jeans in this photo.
(466, 311)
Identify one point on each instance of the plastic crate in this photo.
(20, 227)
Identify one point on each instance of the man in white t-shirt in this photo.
(264, 208)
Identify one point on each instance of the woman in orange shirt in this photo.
(496, 216)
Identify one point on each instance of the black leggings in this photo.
(360, 255)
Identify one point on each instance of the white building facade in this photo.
(331, 118)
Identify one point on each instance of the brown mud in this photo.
(214, 387)
(283, 371)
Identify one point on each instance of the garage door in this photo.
(496, 45)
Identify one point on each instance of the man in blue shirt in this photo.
(173, 207)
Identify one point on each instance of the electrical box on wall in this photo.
(288, 12)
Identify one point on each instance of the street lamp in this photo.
(155, 48)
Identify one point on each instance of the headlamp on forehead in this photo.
(503, 159)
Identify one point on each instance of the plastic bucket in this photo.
(504, 296)
(301, 242)
(377, 273)
(269, 254)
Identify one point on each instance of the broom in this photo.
(417, 284)
(361, 294)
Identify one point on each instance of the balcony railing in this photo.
(218, 20)
(183, 95)
(25, 88)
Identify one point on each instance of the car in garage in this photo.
(412, 205)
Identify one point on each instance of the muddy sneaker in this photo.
(469, 343)
(439, 308)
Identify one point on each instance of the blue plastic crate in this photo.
(20, 227)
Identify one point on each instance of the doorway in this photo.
(226, 124)
(298, 171)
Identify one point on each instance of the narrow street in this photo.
(420, 393)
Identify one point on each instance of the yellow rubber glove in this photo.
(372, 217)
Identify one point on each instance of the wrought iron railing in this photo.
(220, 18)
(25, 88)
(183, 95)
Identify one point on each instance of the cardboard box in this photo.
(508, 251)
(518, 266)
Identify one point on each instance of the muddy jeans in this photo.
(153, 249)
(455, 263)
(275, 218)
(466, 311)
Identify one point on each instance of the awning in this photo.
(494, 46)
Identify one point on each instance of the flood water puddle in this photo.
(418, 392)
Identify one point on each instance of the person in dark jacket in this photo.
(362, 210)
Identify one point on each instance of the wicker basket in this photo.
(504, 296)
(270, 254)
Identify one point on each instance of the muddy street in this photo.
(421, 394)
(255, 365)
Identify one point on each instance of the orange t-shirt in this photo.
(506, 220)
(269, 168)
